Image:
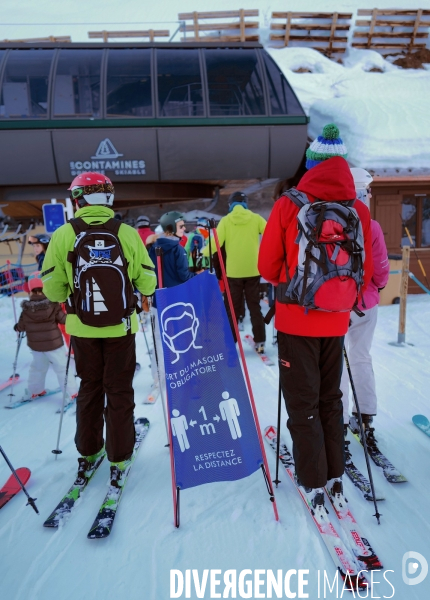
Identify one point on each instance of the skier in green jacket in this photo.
(197, 240)
(104, 345)
(240, 233)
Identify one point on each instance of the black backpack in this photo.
(103, 293)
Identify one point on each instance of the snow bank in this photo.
(382, 116)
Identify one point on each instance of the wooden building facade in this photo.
(399, 203)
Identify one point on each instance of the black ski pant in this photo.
(310, 371)
(250, 286)
(106, 366)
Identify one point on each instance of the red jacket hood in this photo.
(330, 180)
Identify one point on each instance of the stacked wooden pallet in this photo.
(151, 34)
(203, 27)
(387, 30)
(323, 31)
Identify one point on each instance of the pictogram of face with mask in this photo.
(179, 326)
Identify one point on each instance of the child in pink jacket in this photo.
(359, 338)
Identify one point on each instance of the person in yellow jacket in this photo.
(240, 232)
(95, 272)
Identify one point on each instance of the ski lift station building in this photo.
(165, 122)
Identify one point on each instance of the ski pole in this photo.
(278, 433)
(15, 362)
(175, 488)
(211, 266)
(146, 340)
(31, 501)
(57, 451)
(158, 373)
(12, 292)
(363, 437)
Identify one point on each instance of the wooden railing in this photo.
(323, 31)
(239, 28)
(382, 30)
(51, 38)
(151, 34)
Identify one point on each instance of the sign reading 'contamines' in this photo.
(106, 159)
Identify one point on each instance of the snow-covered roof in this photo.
(382, 116)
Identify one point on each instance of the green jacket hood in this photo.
(240, 215)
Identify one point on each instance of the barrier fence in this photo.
(13, 277)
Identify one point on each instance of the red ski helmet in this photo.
(92, 188)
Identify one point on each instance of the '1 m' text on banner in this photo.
(213, 428)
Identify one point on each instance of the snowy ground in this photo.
(224, 525)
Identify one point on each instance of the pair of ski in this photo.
(390, 472)
(350, 561)
(13, 380)
(263, 356)
(29, 399)
(104, 520)
(12, 487)
(154, 392)
(422, 423)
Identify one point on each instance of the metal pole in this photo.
(31, 501)
(11, 292)
(15, 362)
(363, 437)
(211, 266)
(146, 340)
(57, 451)
(278, 432)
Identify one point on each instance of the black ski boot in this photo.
(369, 431)
(314, 497)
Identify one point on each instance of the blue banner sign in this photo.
(53, 216)
(213, 428)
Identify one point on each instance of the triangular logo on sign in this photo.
(106, 150)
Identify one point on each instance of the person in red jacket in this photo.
(143, 226)
(310, 342)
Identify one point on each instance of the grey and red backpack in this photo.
(329, 271)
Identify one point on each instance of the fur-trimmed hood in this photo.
(36, 302)
(39, 308)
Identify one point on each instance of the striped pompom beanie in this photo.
(326, 146)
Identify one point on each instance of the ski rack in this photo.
(16, 236)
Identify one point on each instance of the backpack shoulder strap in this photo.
(112, 225)
(299, 198)
(78, 225)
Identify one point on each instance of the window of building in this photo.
(129, 83)
(425, 222)
(234, 82)
(24, 91)
(179, 83)
(283, 101)
(77, 83)
(416, 220)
